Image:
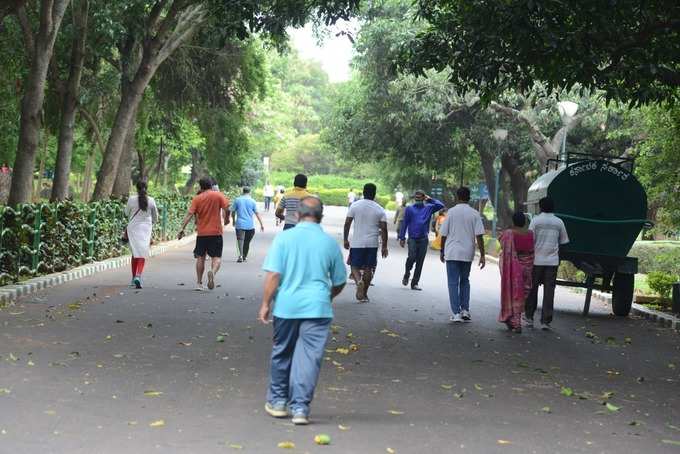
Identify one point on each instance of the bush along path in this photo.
(43, 238)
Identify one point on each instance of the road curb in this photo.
(10, 293)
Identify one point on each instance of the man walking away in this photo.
(305, 271)
(369, 220)
(462, 225)
(268, 193)
(277, 200)
(208, 207)
(351, 197)
(549, 234)
(417, 223)
(242, 212)
(288, 206)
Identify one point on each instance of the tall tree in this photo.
(62, 170)
(41, 47)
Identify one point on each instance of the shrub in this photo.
(657, 256)
(661, 282)
(568, 272)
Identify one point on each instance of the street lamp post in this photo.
(500, 135)
(567, 110)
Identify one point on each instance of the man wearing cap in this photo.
(417, 222)
(305, 271)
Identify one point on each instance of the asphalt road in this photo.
(90, 366)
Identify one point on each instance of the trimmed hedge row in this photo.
(44, 238)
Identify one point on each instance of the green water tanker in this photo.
(604, 208)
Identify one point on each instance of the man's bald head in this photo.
(311, 209)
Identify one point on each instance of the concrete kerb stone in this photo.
(10, 293)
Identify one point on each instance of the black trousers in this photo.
(546, 275)
(244, 237)
(417, 250)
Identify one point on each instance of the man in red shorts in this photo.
(210, 208)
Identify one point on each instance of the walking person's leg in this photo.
(410, 260)
(307, 358)
(532, 299)
(421, 253)
(200, 269)
(285, 337)
(215, 253)
(249, 234)
(453, 279)
(240, 239)
(549, 284)
(464, 289)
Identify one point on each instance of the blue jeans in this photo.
(296, 360)
(458, 274)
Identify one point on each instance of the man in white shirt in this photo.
(268, 194)
(462, 226)
(549, 234)
(351, 197)
(399, 197)
(370, 222)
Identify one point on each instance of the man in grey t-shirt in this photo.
(549, 234)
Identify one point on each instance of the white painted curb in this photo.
(10, 293)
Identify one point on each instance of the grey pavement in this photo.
(90, 366)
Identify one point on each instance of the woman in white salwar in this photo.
(142, 213)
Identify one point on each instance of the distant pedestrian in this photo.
(462, 226)
(243, 210)
(286, 210)
(277, 200)
(214, 185)
(351, 197)
(516, 266)
(399, 197)
(549, 234)
(370, 223)
(5, 169)
(268, 194)
(210, 208)
(142, 213)
(399, 216)
(305, 272)
(417, 224)
(438, 222)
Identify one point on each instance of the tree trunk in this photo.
(51, 14)
(121, 187)
(504, 211)
(62, 167)
(165, 35)
(518, 180)
(196, 170)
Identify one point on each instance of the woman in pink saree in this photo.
(516, 265)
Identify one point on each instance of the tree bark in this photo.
(504, 211)
(163, 38)
(518, 181)
(196, 170)
(51, 15)
(62, 168)
(121, 187)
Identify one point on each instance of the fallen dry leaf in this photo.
(286, 445)
(235, 446)
(395, 412)
(341, 427)
(504, 442)
(390, 450)
(159, 423)
(152, 393)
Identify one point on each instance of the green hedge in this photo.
(45, 238)
(661, 256)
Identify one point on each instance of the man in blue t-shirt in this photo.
(305, 271)
(243, 210)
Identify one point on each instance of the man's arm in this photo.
(442, 252)
(280, 209)
(383, 235)
(271, 285)
(482, 253)
(225, 213)
(435, 205)
(233, 217)
(345, 232)
(259, 219)
(336, 290)
(185, 221)
(396, 215)
(404, 225)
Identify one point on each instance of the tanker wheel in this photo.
(622, 293)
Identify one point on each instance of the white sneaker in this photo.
(456, 318)
(528, 322)
(545, 326)
(199, 288)
(465, 315)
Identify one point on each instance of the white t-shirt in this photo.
(351, 197)
(461, 227)
(399, 197)
(367, 215)
(268, 190)
(549, 233)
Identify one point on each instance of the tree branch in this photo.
(29, 39)
(93, 123)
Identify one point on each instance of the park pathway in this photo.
(95, 367)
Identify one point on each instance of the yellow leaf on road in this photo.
(391, 451)
(447, 386)
(504, 442)
(152, 393)
(286, 445)
(395, 412)
(235, 446)
(322, 439)
(341, 427)
(159, 423)
(342, 351)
